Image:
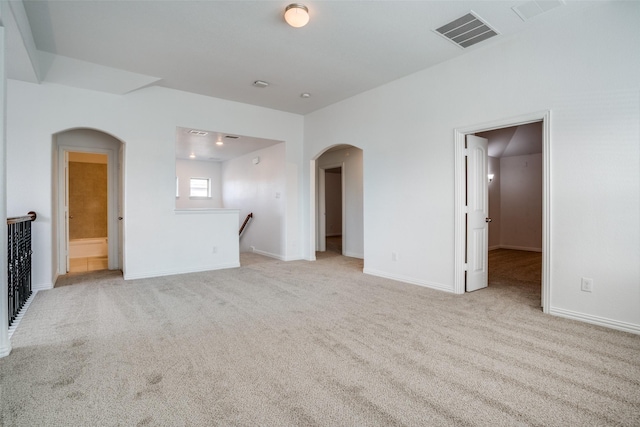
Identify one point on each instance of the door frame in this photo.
(113, 203)
(460, 187)
(321, 225)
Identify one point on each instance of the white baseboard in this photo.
(518, 248)
(149, 274)
(42, 287)
(409, 280)
(493, 248)
(270, 255)
(353, 255)
(596, 320)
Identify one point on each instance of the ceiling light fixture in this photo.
(296, 15)
(305, 95)
(192, 156)
(219, 143)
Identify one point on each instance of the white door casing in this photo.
(322, 211)
(321, 226)
(120, 200)
(477, 213)
(65, 253)
(460, 193)
(115, 204)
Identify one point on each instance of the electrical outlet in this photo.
(253, 248)
(587, 284)
(215, 250)
(394, 256)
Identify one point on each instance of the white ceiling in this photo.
(514, 141)
(204, 147)
(219, 48)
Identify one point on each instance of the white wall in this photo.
(584, 69)
(351, 160)
(521, 202)
(187, 169)
(261, 189)
(158, 240)
(5, 344)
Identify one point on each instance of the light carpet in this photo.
(309, 344)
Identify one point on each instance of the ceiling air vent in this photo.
(231, 136)
(467, 31)
(198, 132)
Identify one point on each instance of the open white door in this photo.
(477, 213)
(66, 211)
(120, 200)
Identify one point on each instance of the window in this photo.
(200, 187)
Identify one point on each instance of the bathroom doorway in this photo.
(88, 207)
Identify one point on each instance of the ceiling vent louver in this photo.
(467, 30)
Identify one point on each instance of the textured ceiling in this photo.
(219, 48)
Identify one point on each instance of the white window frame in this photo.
(191, 188)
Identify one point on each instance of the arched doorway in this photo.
(337, 200)
(94, 148)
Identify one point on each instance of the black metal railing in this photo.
(19, 262)
(244, 224)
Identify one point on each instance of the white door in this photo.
(477, 213)
(66, 210)
(120, 209)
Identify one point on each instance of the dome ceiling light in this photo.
(296, 15)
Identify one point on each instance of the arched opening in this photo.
(337, 201)
(87, 201)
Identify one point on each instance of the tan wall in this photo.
(87, 200)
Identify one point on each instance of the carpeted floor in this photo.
(310, 343)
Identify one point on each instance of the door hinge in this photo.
(466, 152)
(466, 267)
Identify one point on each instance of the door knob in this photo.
(487, 220)
(119, 218)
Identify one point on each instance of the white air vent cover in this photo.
(467, 31)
